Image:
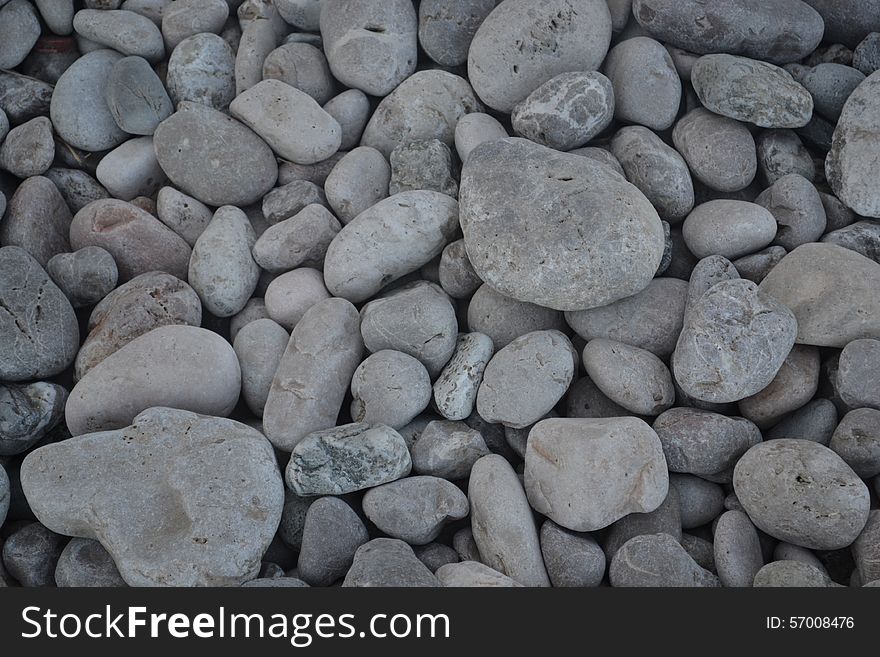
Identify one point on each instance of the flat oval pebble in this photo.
(259, 346)
(790, 574)
(37, 220)
(85, 276)
(857, 441)
(201, 69)
(572, 559)
(719, 151)
(177, 366)
(184, 19)
(728, 228)
(738, 556)
(632, 377)
(28, 149)
(19, 31)
(124, 31)
(136, 97)
(303, 66)
(803, 493)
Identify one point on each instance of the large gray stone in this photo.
(124, 31)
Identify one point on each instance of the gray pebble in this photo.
(862, 237)
(520, 46)
(798, 209)
(436, 555)
(665, 519)
(131, 170)
(293, 518)
(301, 240)
(275, 582)
(389, 388)
(304, 14)
(473, 129)
(735, 339)
(447, 449)
(331, 535)
(456, 273)
(756, 266)
(789, 552)
(790, 574)
(85, 276)
(728, 228)
(28, 149)
(77, 187)
(181, 20)
(456, 388)
(27, 413)
(572, 559)
(473, 574)
(857, 441)
(803, 493)
(738, 556)
(347, 458)
(847, 21)
(22, 98)
(358, 181)
(585, 400)
(19, 31)
(388, 562)
(259, 346)
(866, 549)
(136, 97)
(183, 214)
(700, 501)
(85, 562)
(793, 386)
(502, 522)
(647, 89)
(465, 545)
(286, 201)
(351, 109)
(592, 459)
(258, 39)
(124, 486)
(303, 67)
(423, 165)
(446, 30)
(124, 31)
(314, 374)
(866, 56)
(37, 220)
(701, 550)
(253, 310)
(814, 421)
(657, 560)
(781, 152)
(372, 47)
(857, 381)
(830, 85)
(602, 156)
(31, 553)
(567, 111)
(201, 69)
(504, 319)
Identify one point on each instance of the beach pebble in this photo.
(28, 149)
(27, 413)
(301, 240)
(504, 319)
(123, 31)
(665, 519)
(283, 202)
(351, 109)
(862, 237)
(700, 501)
(456, 273)
(756, 266)
(830, 85)
(331, 535)
(572, 559)
(814, 421)
(291, 294)
(446, 30)
(183, 214)
(803, 493)
(217, 477)
(31, 553)
(85, 562)
(181, 20)
(447, 449)
(347, 458)
(389, 388)
(738, 556)
(866, 56)
(728, 228)
(473, 129)
(504, 224)
(566, 111)
(793, 386)
(797, 208)
(388, 562)
(857, 381)
(473, 574)
(791, 574)
(131, 170)
(37, 220)
(436, 555)
(201, 69)
(259, 346)
(258, 39)
(866, 549)
(781, 152)
(657, 560)
(19, 31)
(455, 389)
(615, 463)
(415, 509)
(357, 182)
(302, 66)
(423, 164)
(136, 97)
(85, 276)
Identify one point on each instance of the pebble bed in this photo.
(441, 293)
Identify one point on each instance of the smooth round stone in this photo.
(502, 522)
(665, 519)
(786, 551)
(389, 388)
(465, 546)
(504, 319)
(124, 31)
(183, 214)
(793, 386)
(415, 509)
(19, 31)
(289, 120)
(285, 201)
(657, 560)
(131, 170)
(475, 128)
(293, 518)
(728, 228)
(632, 377)
(857, 381)
(584, 474)
(830, 85)
(253, 310)
(519, 46)
(259, 37)
(473, 574)
(526, 379)
(217, 478)
(526, 208)
(803, 493)
(181, 20)
(866, 56)
(213, 157)
(854, 150)
(85, 276)
(388, 562)
(781, 152)
(797, 208)
(707, 273)
(756, 266)
(79, 111)
(700, 550)
(750, 90)
(700, 501)
(735, 338)
(447, 449)
(719, 151)
(436, 555)
(4, 499)
(24, 97)
(572, 559)
(647, 89)
(427, 105)
(314, 374)
(787, 573)
(862, 237)
(291, 294)
(566, 111)
(362, 259)
(456, 388)
(27, 413)
(423, 165)
(331, 535)
(651, 319)
(703, 443)
(31, 553)
(176, 366)
(346, 459)
(456, 273)
(77, 187)
(857, 441)
(779, 31)
(201, 69)
(85, 562)
(831, 291)
(259, 346)
(302, 66)
(351, 109)
(136, 97)
(301, 240)
(38, 326)
(221, 270)
(814, 421)
(418, 320)
(659, 172)
(358, 181)
(446, 30)
(37, 220)
(28, 149)
(146, 302)
(738, 556)
(138, 242)
(370, 46)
